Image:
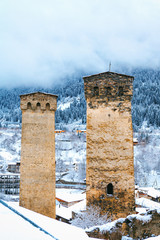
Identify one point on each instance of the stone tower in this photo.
(37, 171)
(110, 164)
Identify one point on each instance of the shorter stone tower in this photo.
(110, 165)
(37, 171)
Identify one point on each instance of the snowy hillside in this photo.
(10, 147)
(71, 155)
(147, 158)
(72, 104)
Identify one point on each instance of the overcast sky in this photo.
(43, 41)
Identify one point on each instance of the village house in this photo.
(149, 193)
(14, 167)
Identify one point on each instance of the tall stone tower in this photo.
(110, 165)
(37, 171)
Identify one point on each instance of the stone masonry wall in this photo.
(37, 171)
(135, 226)
(110, 143)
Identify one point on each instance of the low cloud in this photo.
(43, 42)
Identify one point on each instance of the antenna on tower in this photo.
(109, 66)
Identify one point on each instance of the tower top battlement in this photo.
(108, 86)
(38, 100)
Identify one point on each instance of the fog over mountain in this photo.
(44, 42)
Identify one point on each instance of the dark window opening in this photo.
(108, 90)
(29, 105)
(96, 91)
(120, 91)
(38, 105)
(110, 188)
(48, 106)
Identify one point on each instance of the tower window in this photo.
(110, 189)
(48, 106)
(108, 90)
(96, 91)
(38, 105)
(29, 105)
(120, 91)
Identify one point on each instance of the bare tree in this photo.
(90, 217)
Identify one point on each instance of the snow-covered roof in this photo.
(35, 226)
(154, 193)
(140, 210)
(150, 191)
(135, 140)
(12, 163)
(64, 212)
(70, 197)
(147, 203)
(15, 227)
(67, 212)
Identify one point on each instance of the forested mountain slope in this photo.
(72, 105)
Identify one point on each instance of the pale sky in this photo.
(43, 41)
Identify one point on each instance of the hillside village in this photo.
(70, 174)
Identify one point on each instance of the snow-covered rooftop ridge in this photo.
(147, 203)
(150, 191)
(154, 193)
(59, 230)
(15, 227)
(70, 197)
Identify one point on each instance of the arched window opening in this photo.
(108, 90)
(47, 106)
(120, 91)
(29, 105)
(38, 105)
(96, 91)
(110, 189)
